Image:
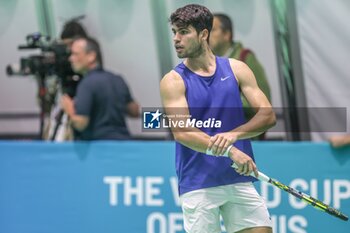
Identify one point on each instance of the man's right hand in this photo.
(67, 105)
(244, 162)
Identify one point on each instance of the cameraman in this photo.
(102, 100)
(57, 126)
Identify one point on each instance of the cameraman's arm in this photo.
(133, 109)
(132, 106)
(79, 122)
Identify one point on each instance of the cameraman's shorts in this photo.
(239, 205)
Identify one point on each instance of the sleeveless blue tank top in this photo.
(216, 97)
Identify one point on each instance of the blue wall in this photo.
(131, 186)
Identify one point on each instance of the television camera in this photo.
(51, 61)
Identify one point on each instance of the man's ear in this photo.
(204, 34)
(92, 57)
(227, 36)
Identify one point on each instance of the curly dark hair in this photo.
(195, 15)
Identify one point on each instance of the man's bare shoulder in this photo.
(172, 85)
(237, 64)
(171, 76)
(172, 80)
(240, 69)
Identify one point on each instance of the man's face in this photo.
(187, 42)
(217, 36)
(79, 58)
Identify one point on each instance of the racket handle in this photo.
(261, 177)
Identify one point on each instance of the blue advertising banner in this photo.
(132, 186)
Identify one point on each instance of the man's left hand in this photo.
(219, 143)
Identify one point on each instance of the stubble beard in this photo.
(193, 52)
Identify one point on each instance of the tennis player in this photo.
(205, 86)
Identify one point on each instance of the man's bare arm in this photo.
(265, 117)
(133, 109)
(172, 90)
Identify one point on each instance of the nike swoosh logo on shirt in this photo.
(224, 78)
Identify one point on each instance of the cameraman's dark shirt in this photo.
(103, 97)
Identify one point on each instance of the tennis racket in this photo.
(317, 204)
